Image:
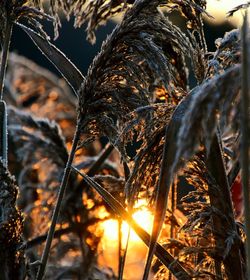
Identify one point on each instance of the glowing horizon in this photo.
(219, 9)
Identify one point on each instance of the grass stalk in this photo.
(123, 252)
(4, 57)
(245, 132)
(3, 133)
(56, 212)
(3, 109)
(97, 165)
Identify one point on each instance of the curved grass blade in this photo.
(164, 256)
(182, 136)
(68, 70)
(230, 252)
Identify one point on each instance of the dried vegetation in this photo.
(137, 94)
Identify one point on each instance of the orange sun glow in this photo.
(137, 250)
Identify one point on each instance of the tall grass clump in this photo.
(136, 94)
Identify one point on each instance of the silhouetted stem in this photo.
(3, 117)
(245, 133)
(3, 133)
(4, 57)
(123, 252)
(96, 166)
(56, 212)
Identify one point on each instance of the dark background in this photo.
(73, 43)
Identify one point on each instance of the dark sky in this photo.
(73, 43)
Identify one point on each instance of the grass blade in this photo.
(164, 256)
(224, 229)
(183, 134)
(68, 70)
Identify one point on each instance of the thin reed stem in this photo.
(4, 57)
(123, 252)
(97, 164)
(3, 133)
(245, 132)
(3, 109)
(56, 212)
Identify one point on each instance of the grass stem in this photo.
(56, 212)
(245, 132)
(3, 109)
(4, 57)
(3, 133)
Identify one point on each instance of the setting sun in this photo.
(143, 217)
(136, 250)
